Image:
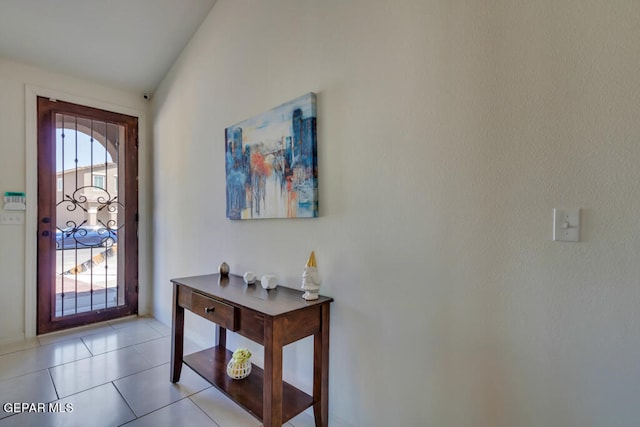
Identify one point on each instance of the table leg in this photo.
(272, 391)
(177, 338)
(222, 336)
(321, 370)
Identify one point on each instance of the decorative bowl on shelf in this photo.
(239, 366)
(238, 370)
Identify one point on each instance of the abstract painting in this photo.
(272, 165)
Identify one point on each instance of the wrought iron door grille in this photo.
(89, 215)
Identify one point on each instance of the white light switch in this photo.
(14, 218)
(566, 225)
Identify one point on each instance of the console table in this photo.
(273, 318)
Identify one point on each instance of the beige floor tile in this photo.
(181, 413)
(83, 331)
(83, 374)
(42, 357)
(35, 387)
(19, 345)
(302, 420)
(223, 410)
(158, 351)
(132, 334)
(163, 329)
(136, 388)
(98, 407)
(130, 320)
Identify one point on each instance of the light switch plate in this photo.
(13, 218)
(566, 225)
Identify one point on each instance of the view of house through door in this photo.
(87, 215)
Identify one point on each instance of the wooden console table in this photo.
(273, 318)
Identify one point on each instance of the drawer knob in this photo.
(209, 310)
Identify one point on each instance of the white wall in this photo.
(19, 84)
(447, 133)
(12, 178)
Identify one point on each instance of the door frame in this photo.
(31, 215)
(127, 166)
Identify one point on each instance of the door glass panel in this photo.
(89, 215)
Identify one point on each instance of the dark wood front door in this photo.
(87, 215)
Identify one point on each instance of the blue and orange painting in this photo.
(272, 165)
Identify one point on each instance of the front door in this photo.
(87, 215)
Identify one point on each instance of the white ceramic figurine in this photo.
(311, 279)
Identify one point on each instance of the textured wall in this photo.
(447, 133)
(12, 178)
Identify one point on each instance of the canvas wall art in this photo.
(271, 163)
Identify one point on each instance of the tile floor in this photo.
(111, 374)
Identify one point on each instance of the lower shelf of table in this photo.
(211, 364)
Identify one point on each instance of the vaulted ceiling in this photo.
(129, 44)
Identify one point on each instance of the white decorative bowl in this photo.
(249, 278)
(238, 371)
(269, 281)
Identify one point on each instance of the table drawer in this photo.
(216, 311)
